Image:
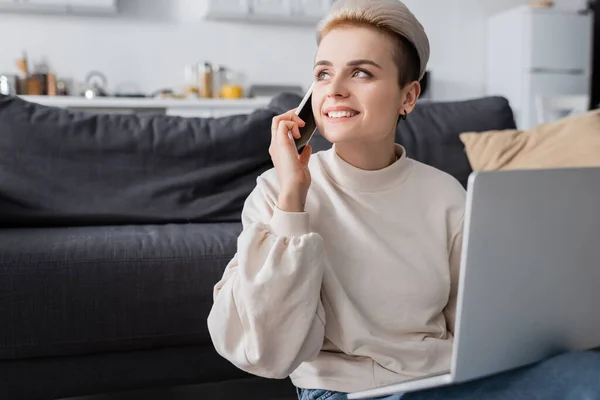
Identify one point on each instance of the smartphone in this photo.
(305, 112)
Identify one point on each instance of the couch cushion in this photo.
(67, 168)
(569, 142)
(61, 167)
(171, 373)
(86, 289)
(431, 132)
(177, 372)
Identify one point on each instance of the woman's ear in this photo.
(412, 91)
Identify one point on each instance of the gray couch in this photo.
(114, 229)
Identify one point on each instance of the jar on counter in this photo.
(232, 85)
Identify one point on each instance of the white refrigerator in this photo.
(537, 52)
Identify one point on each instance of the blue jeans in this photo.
(570, 376)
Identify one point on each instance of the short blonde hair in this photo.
(391, 17)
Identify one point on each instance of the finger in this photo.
(296, 131)
(293, 128)
(298, 120)
(274, 126)
(304, 157)
(288, 116)
(273, 133)
(283, 134)
(276, 120)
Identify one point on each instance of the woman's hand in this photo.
(292, 168)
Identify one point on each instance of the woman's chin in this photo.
(334, 135)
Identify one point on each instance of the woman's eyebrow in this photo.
(356, 63)
(352, 63)
(323, 62)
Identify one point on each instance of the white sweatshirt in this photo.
(358, 291)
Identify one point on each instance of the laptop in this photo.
(529, 276)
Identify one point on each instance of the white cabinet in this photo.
(233, 9)
(60, 6)
(288, 12)
(275, 8)
(99, 6)
(533, 53)
(46, 3)
(551, 31)
(316, 9)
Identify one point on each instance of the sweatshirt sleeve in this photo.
(454, 264)
(267, 316)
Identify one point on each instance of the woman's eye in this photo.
(323, 75)
(362, 74)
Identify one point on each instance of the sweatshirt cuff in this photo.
(285, 223)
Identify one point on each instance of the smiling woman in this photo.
(345, 275)
(335, 283)
(378, 53)
(346, 270)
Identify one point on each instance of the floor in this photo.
(218, 391)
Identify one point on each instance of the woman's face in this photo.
(356, 96)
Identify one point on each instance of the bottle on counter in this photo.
(23, 66)
(207, 82)
(192, 87)
(51, 89)
(220, 80)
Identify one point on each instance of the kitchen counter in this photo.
(179, 107)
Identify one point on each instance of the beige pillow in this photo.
(570, 142)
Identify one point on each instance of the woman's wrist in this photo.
(291, 201)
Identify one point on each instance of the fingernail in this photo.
(290, 135)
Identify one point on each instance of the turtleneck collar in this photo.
(353, 178)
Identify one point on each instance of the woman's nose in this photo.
(337, 88)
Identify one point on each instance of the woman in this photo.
(346, 272)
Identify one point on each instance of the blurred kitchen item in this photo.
(207, 84)
(541, 4)
(8, 84)
(51, 89)
(232, 92)
(96, 85)
(166, 94)
(62, 88)
(267, 90)
(191, 86)
(40, 72)
(131, 95)
(232, 86)
(23, 66)
(128, 89)
(221, 79)
(34, 85)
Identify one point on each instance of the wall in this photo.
(146, 47)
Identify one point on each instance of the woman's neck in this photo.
(369, 156)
